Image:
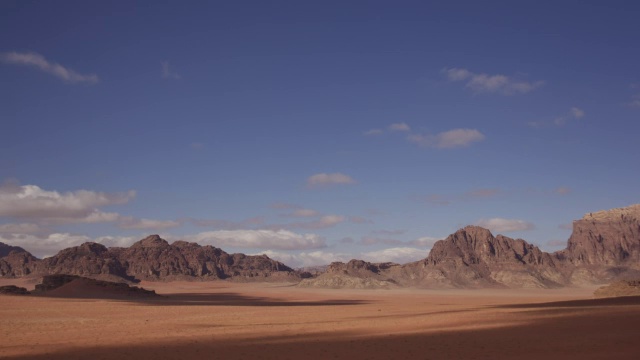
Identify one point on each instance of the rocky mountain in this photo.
(610, 237)
(7, 249)
(604, 247)
(151, 258)
(473, 257)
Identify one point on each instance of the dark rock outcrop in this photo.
(77, 286)
(13, 290)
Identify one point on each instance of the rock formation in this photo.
(473, 257)
(152, 259)
(61, 285)
(13, 290)
(356, 274)
(619, 288)
(603, 247)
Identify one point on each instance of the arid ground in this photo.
(220, 320)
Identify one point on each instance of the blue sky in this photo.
(314, 131)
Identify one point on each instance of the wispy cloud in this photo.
(505, 225)
(323, 179)
(167, 73)
(455, 138)
(482, 193)
(259, 239)
(473, 194)
(562, 190)
(373, 132)
(324, 222)
(399, 127)
(574, 113)
(635, 101)
(484, 83)
(39, 62)
(129, 222)
(229, 225)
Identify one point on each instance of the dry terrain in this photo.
(224, 320)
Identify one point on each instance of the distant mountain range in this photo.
(603, 246)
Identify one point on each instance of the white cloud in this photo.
(399, 255)
(38, 61)
(505, 225)
(399, 127)
(31, 201)
(167, 73)
(372, 132)
(258, 239)
(324, 179)
(128, 222)
(455, 138)
(491, 83)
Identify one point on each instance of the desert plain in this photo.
(229, 320)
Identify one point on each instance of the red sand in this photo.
(269, 321)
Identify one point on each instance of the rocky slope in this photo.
(7, 249)
(151, 258)
(356, 274)
(619, 288)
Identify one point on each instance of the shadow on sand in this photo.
(209, 299)
(608, 330)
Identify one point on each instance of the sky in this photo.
(314, 131)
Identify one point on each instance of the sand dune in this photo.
(258, 321)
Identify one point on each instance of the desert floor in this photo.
(220, 320)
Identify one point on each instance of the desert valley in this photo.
(475, 296)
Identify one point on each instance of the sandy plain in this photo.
(222, 320)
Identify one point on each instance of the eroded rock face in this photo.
(473, 257)
(151, 258)
(18, 264)
(610, 237)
